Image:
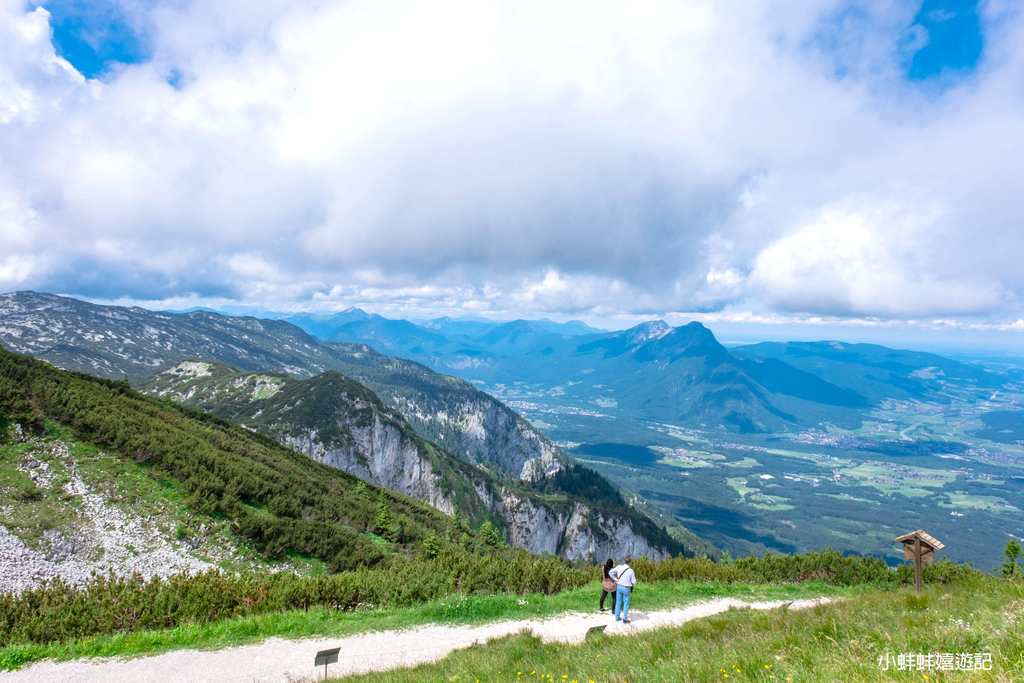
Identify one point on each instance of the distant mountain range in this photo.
(681, 375)
(336, 326)
(875, 373)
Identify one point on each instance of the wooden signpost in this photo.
(326, 657)
(919, 547)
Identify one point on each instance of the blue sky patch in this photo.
(95, 34)
(954, 39)
(940, 42)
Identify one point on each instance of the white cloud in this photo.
(941, 15)
(568, 157)
(32, 76)
(1016, 326)
(15, 269)
(728, 280)
(864, 258)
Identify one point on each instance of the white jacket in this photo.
(623, 575)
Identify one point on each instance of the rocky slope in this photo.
(65, 515)
(576, 532)
(333, 420)
(338, 422)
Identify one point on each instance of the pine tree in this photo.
(458, 526)
(1013, 551)
(490, 535)
(385, 520)
(432, 545)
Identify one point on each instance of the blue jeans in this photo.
(622, 601)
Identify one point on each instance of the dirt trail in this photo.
(284, 661)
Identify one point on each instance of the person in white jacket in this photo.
(625, 577)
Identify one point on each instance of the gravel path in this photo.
(286, 661)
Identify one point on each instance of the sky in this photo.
(811, 166)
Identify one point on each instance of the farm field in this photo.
(909, 465)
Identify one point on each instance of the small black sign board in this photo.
(326, 657)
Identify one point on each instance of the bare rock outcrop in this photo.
(492, 433)
(577, 533)
(381, 454)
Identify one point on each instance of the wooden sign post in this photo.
(326, 657)
(919, 547)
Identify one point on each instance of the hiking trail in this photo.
(277, 660)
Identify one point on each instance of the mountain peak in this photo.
(354, 313)
(692, 339)
(513, 331)
(571, 327)
(436, 323)
(648, 331)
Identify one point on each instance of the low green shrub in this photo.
(467, 585)
(58, 611)
(828, 566)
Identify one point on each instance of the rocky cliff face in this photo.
(592, 535)
(577, 532)
(489, 432)
(379, 453)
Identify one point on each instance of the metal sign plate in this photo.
(325, 657)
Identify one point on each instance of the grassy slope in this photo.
(454, 610)
(838, 642)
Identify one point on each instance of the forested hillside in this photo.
(277, 500)
(333, 419)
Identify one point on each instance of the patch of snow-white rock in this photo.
(105, 540)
